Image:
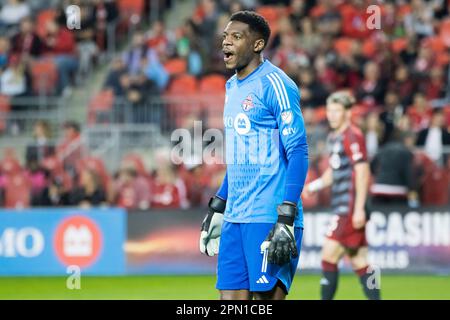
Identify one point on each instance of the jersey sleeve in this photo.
(355, 146)
(283, 97)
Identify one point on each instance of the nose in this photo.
(226, 41)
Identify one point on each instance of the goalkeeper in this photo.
(255, 221)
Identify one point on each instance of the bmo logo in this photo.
(25, 242)
(78, 241)
(242, 123)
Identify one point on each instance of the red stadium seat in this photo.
(17, 191)
(343, 46)
(176, 66)
(212, 84)
(435, 43)
(5, 107)
(41, 21)
(183, 99)
(399, 44)
(444, 32)
(272, 14)
(129, 7)
(101, 106)
(44, 74)
(212, 88)
(183, 84)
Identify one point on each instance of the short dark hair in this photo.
(256, 23)
(343, 98)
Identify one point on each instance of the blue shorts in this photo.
(241, 264)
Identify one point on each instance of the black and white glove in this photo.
(212, 226)
(280, 242)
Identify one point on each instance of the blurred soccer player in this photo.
(267, 161)
(348, 176)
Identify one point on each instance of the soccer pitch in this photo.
(305, 287)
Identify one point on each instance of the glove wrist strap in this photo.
(217, 204)
(287, 212)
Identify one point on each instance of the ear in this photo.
(259, 45)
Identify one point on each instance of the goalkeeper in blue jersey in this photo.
(255, 221)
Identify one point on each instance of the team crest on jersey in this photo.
(247, 104)
(286, 117)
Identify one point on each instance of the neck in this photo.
(342, 128)
(249, 68)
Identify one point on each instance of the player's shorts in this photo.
(241, 264)
(342, 230)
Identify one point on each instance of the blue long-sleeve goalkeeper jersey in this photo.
(266, 149)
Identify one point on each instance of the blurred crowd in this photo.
(39, 55)
(58, 173)
(398, 74)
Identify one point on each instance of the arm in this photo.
(222, 193)
(282, 96)
(325, 180)
(362, 174)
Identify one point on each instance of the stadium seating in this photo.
(5, 107)
(17, 191)
(176, 66)
(44, 74)
(41, 21)
(100, 108)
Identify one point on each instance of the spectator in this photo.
(168, 190)
(53, 195)
(395, 182)
(59, 43)
(4, 52)
(89, 193)
(85, 38)
(26, 43)
(371, 90)
(12, 12)
(419, 112)
(308, 36)
(42, 146)
(374, 133)
(434, 85)
(420, 20)
(117, 70)
(354, 17)
(136, 56)
(403, 84)
(13, 81)
(131, 191)
(434, 138)
(106, 14)
(161, 41)
(289, 56)
(391, 114)
(313, 92)
(70, 148)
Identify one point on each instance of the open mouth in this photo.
(227, 56)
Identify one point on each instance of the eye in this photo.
(237, 36)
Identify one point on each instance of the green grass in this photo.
(202, 287)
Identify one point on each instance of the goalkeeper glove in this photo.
(280, 242)
(211, 227)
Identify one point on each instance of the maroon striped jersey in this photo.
(345, 150)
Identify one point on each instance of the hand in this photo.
(280, 242)
(359, 218)
(306, 192)
(212, 227)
